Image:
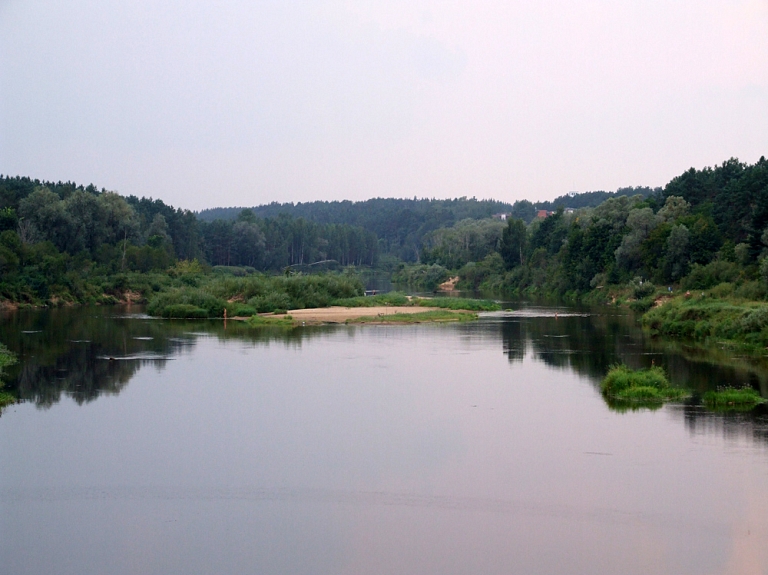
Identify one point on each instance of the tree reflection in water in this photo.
(86, 352)
(66, 353)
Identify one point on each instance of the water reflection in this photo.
(86, 352)
(471, 448)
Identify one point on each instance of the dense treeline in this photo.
(275, 243)
(74, 243)
(61, 241)
(705, 227)
(399, 224)
(402, 225)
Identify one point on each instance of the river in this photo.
(146, 446)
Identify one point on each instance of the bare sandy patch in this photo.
(337, 314)
(449, 285)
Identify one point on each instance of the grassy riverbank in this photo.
(706, 318)
(434, 316)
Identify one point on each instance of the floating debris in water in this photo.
(32, 331)
(143, 337)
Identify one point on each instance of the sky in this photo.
(238, 103)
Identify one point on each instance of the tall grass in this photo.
(732, 399)
(433, 316)
(642, 386)
(457, 304)
(702, 318)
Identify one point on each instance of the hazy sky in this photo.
(244, 102)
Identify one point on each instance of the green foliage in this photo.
(475, 275)
(513, 243)
(642, 305)
(642, 288)
(434, 316)
(256, 293)
(457, 303)
(387, 299)
(701, 318)
(6, 358)
(467, 241)
(271, 321)
(422, 277)
(183, 310)
(186, 298)
(400, 300)
(643, 386)
(711, 274)
(732, 399)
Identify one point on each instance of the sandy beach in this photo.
(338, 314)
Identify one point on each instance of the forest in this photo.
(705, 227)
(68, 243)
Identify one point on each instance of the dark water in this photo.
(480, 448)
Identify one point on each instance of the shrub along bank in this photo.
(247, 296)
(705, 317)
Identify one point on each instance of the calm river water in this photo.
(479, 448)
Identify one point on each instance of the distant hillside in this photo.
(380, 214)
(399, 223)
(527, 211)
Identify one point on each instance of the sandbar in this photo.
(337, 314)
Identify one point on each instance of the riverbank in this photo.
(705, 318)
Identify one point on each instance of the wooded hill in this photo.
(55, 236)
(705, 227)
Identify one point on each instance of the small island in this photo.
(625, 387)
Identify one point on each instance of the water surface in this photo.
(149, 446)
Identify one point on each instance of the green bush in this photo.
(732, 398)
(270, 302)
(189, 296)
(643, 385)
(421, 276)
(642, 289)
(707, 276)
(184, 310)
(642, 305)
(703, 318)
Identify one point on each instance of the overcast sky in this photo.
(244, 102)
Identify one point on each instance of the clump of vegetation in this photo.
(392, 298)
(422, 276)
(6, 358)
(732, 399)
(246, 296)
(184, 310)
(703, 317)
(398, 299)
(642, 386)
(434, 316)
(457, 303)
